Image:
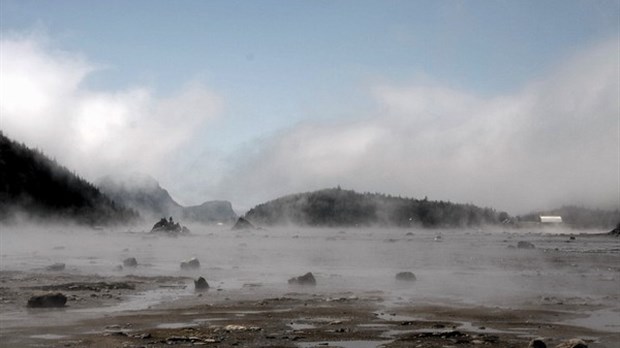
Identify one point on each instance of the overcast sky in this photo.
(508, 104)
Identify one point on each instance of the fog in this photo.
(466, 266)
(550, 142)
(553, 142)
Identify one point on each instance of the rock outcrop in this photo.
(49, 300)
(192, 263)
(405, 276)
(201, 284)
(304, 280)
(525, 245)
(169, 227)
(130, 262)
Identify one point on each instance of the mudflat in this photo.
(471, 289)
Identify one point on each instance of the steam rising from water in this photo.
(552, 142)
(467, 266)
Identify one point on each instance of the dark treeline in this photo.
(33, 184)
(580, 217)
(337, 207)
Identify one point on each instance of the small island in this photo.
(169, 227)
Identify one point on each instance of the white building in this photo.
(549, 219)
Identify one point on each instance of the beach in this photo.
(472, 288)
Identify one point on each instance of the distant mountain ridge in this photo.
(33, 185)
(336, 207)
(145, 194)
(141, 192)
(210, 212)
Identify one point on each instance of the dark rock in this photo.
(243, 224)
(525, 245)
(405, 276)
(56, 267)
(192, 263)
(537, 343)
(47, 300)
(305, 280)
(169, 227)
(130, 262)
(573, 343)
(201, 284)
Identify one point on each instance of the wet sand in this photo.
(145, 310)
(254, 318)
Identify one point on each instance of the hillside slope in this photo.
(37, 187)
(337, 207)
(144, 193)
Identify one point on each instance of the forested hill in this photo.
(33, 185)
(337, 207)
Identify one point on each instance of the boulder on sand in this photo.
(304, 280)
(201, 284)
(573, 343)
(405, 276)
(49, 300)
(192, 263)
(243, 224)
(525, 245)
(130, 262)
(537, 343)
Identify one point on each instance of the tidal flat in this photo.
(471, 288)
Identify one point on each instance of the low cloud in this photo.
(43, 102)
(556, 141)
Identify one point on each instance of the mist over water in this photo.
(465, 266)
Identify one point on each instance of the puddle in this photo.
(396, 333)
(343, 344)
(378, 326)
(140, 301)
(396, 317)
(468, 327)
(49, 336)
(206, 320)
(301, 326)
(327, 320)
(176, 325)
(243, 313)
(606, 320)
